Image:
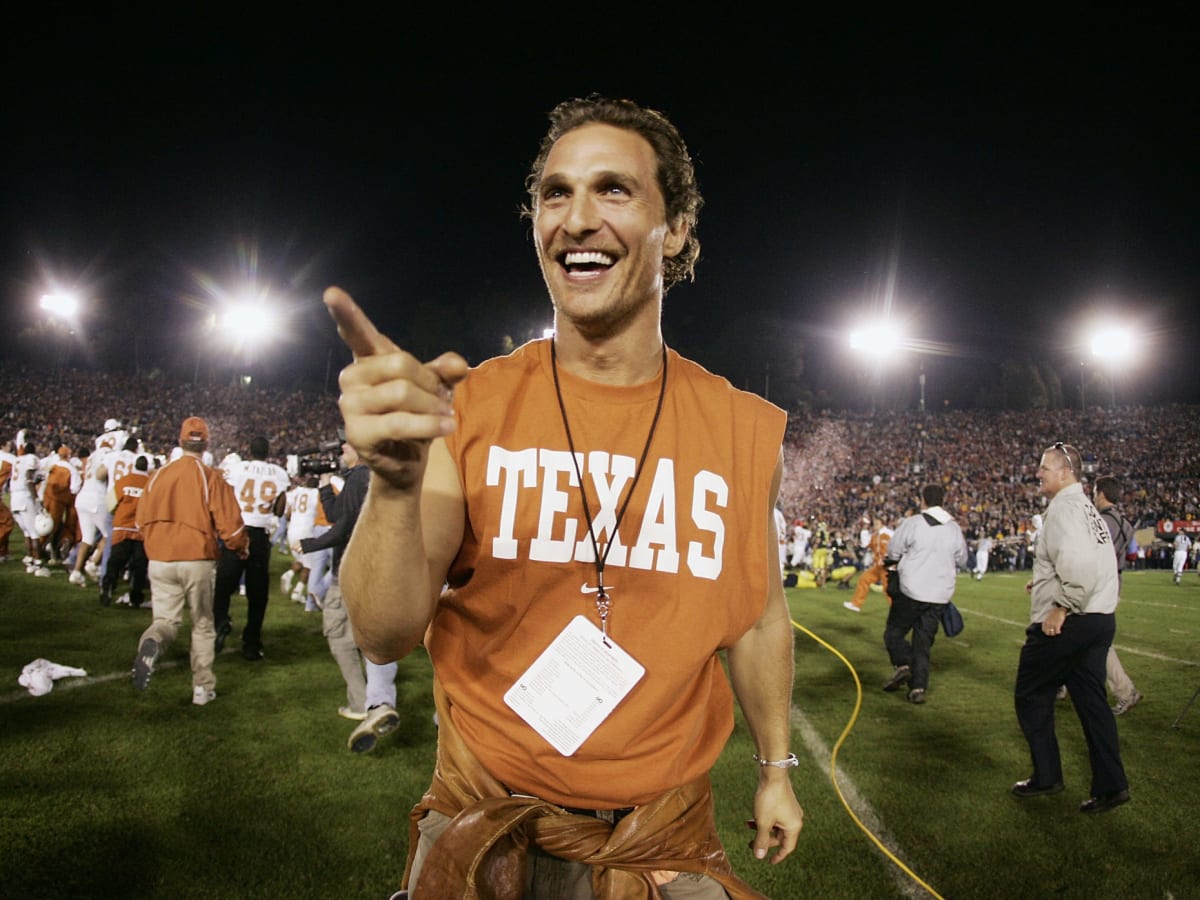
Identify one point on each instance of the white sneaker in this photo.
(41, 572)
(77, 578)
(298, 592)
(285, 582)
(92, 569)
(1123, 706)
(850, 606)
(379, 720)
(353, 715)
(202, 696)
(123, 600)
(26, 560)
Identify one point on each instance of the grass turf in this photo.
(106, 793)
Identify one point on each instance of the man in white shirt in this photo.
(23, 496)
(1182, 545)
(91, 505)
(1074, 595)
(800, 538)
(983, 552)
(930, 549)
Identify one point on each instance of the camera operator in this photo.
(371, 700)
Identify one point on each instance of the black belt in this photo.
(613, 816)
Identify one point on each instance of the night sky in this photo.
(998, 175)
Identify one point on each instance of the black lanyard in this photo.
(603, 601)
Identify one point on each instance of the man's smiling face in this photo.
(600, 227)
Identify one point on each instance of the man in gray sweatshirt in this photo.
(1074, 595)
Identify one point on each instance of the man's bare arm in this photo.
(396, 409)
(761, 667)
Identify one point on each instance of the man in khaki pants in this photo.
(186, 507)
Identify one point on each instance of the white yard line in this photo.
(866, 813)
(70, 684)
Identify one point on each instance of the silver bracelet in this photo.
(790, 762)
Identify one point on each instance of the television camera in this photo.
(325, 457)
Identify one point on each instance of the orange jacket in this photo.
(129, 491)
(185, 507)
(58, 486)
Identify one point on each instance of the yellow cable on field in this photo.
(833, 762)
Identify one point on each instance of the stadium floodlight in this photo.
(1113, 344)
(60, 305)
(879, 342)
(249, 323)
(1115, 347)
(882, 339)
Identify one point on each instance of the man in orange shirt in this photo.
(127, 544)
(876, 573)
(62, 484)
(185, 508)
(6, 517)
(561, 494)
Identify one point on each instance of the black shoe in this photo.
(899, 677)
(251, 652)
(916, 695)
(1026, 789)
(1104, 802)
(223, 628)
(143, 663)
(105, 597)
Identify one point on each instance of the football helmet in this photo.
(43, 525)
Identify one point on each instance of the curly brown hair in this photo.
(676, 173)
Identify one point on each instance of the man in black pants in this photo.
(926, 552)
(1073, 600)
(261, 491)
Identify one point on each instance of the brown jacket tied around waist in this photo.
(482, 853)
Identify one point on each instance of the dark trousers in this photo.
(1076, 658)
(256, 568)
(131, 554)
(905, 615)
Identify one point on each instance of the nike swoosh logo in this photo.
(588, 589)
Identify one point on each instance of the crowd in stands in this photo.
(839, 466)
(70, 406)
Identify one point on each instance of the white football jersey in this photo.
(302, 512)
(18, 486)
(120, 464)
(257, 484)
(92, 494)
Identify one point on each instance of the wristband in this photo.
(790, 762)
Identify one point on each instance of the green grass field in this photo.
(106, 793)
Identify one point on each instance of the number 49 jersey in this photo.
(257, 484)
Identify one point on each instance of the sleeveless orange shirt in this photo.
(687, 572)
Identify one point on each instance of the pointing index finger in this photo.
(355, 329)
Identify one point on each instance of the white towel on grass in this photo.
(39, 676)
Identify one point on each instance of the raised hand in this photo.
(393, 405)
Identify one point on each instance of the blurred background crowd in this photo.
(839, 466)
